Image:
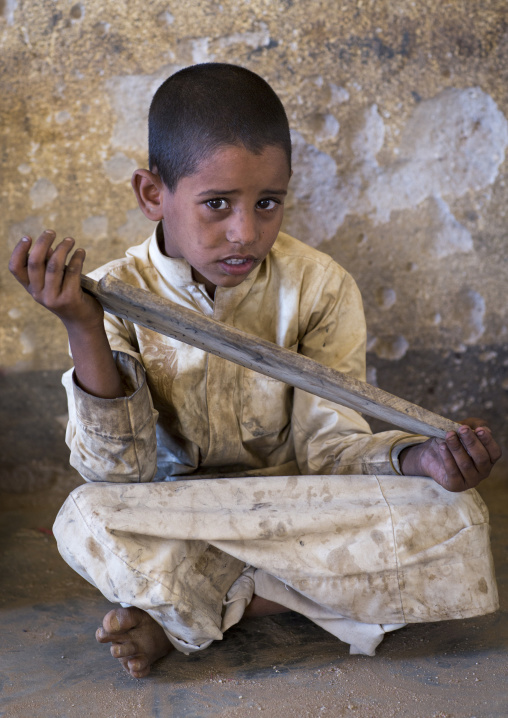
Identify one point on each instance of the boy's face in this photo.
(225, 218)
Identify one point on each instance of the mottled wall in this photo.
(399, 116)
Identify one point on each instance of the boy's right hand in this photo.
(43, 272)
(46, 277)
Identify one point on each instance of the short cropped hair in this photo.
(204, 107)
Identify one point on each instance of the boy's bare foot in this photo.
(137, 640)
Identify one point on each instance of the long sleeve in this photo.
(330, 438)
(113, 439)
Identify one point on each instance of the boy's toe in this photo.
(111, 622)
(102, 636)
(135, 667)
(123, 650)
(139, 666)
(120, 620)
(140, 674)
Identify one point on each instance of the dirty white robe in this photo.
(328, 531)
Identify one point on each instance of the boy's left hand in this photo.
(456, 464)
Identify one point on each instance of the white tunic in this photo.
(305, 513)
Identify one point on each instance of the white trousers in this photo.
(358, 555)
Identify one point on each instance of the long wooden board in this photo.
(165, 317)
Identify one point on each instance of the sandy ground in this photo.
(51, 666)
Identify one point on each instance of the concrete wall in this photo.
(399, 116)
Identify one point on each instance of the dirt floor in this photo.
(51, 666)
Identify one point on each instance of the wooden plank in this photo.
(165, 317)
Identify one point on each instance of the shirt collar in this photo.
(177, 272)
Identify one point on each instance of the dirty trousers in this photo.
(358, 555)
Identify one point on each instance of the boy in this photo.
(216, 492)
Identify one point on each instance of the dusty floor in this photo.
(51, 666)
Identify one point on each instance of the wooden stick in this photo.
(166, 317)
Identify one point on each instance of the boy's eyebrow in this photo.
(222, 192)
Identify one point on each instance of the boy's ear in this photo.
(148, 188)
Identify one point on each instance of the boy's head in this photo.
(205, 107)
(220, 163)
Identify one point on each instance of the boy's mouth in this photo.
(237, 265)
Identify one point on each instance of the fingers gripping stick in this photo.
(165, 317)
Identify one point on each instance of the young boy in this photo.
(216, 492)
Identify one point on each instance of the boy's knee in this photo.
(71, 517)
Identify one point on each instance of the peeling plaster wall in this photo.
(399, 116)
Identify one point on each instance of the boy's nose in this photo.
(243, 229)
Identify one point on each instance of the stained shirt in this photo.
(188, 412)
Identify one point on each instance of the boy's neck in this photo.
(210, 288)
(197, 277)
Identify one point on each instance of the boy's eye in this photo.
(267, 203)
(217, 203)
